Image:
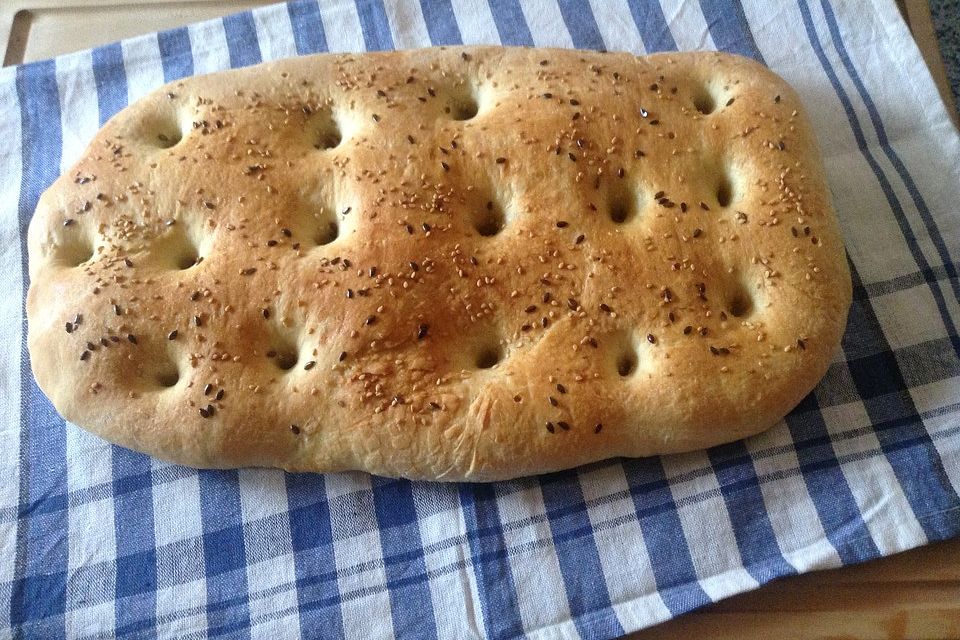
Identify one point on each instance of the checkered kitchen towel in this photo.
(97, 541)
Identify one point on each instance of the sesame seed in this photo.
(644, 113)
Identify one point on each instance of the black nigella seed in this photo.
(173, 335)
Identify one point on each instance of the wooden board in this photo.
(915, 595)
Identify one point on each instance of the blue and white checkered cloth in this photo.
(97, 541)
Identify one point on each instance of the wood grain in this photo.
(914, 595)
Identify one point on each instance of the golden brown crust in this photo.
(376, 230)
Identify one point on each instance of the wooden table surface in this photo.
(912, 595)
